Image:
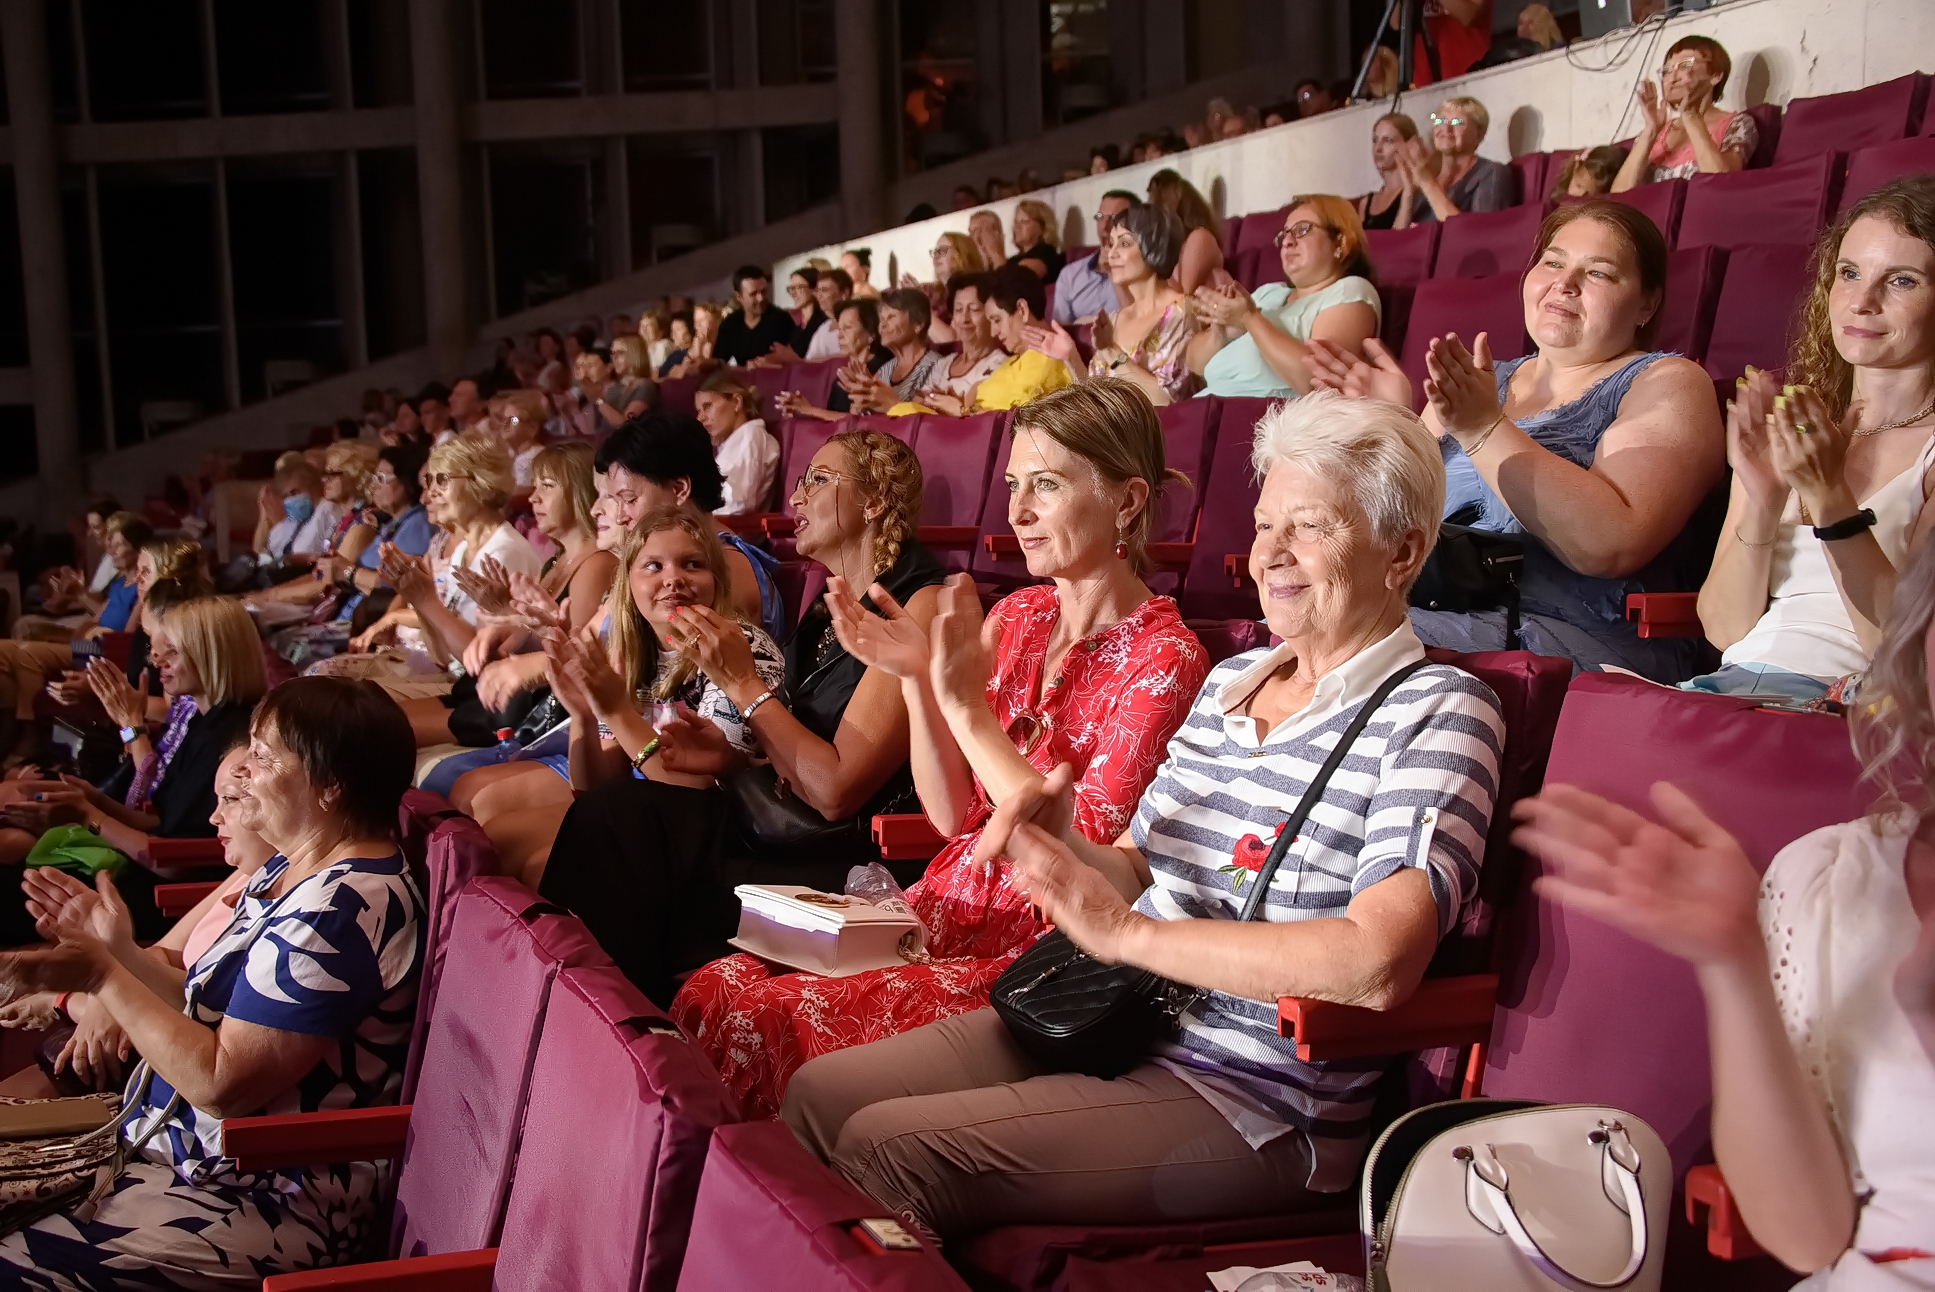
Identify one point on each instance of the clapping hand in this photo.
(583, 679)
(962, 645)
(890, 641)
(791, 404)
(1053, 340)
(535, 607)
(942, 402)
(1749, 448)
(1650, 106)
(65, 910)
(1376, 375)
(691, 746)
(488, 584)
(1049, 805)
(717, 643)
(1681, 883)
(409, 575)
(125, 706)
(1809, 448)
(1228, 305)
(1460, 385)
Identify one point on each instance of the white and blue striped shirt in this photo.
(1417, 790)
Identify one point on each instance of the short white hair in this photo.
(1381, 451)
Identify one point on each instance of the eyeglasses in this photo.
(1437, 120)
(1299, 231)
(382, 479)
(812, 480)
(442, 478)
(332, 475)
(1691, 63)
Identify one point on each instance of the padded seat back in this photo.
(1874, 114)
(767, 383)
(1188, 435)
(1225, 524)
(1661, 203)
(813, 380)
(506, 946)
(1259, 230)
(1535, 174)
(1754, 313)
(1483, 243)
(1257, 266)
(1466, 306)
(456, 852)
(1589, 1015)
(1782, 204)
(1403, 255)
(1874, 166)
(1004, 573)
(759, 1181)
(621, 1111)
(1394, 320)
(675, 394)
(955, 453)
(1693, 278)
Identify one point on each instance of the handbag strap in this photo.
(1311, 796)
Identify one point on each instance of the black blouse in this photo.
(185, 794)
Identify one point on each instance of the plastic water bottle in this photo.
(874, 884)
(508, 750)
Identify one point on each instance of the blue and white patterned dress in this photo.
(339, 955)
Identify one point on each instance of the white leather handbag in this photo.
(1508, 1195)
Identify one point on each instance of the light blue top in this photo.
(772, 606)
(1082, 290)
(1239, 367)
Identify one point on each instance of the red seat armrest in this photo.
(1664, 614)
(1451, 1011)
(181, 858)
(776, 526)
(1170, 556)
(1002, 547)
(942, 538)
(174, 900)
(315, 1139)
(453, 1272)
(750, 525)
(1727, 1235)
(907, 836)
(1237, 566)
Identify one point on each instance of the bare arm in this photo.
(1345, 326)
(1739, 582)
(1202, 256)
(1654, 464)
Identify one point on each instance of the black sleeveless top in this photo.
(1372, 220)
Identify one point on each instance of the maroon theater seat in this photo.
(1484, 243)
(1257, 268)
(1395, 317)
(1188, 436)
(1783, 204)
(1232, 227)
(506, 949)
(955, 454)
(1590, 1015)
(765, 1206)
(1693, 279)
(675, 394)
(1259, 230)
(1754, 314)
(613, 1146)
(814, 380)
(455, 851)
(1876, 114)
(1768, 120)
(1535, 174)
(1226, 521)
(1874, 166)
(1466, 306)
(1403, 255)
(996, 564)
(767, 383)
(1661, 203)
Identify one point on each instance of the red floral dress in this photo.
(1110, 711)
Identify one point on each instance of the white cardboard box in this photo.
(822, 933)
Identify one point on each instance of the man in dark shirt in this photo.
(757, 327)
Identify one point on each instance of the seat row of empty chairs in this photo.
(563, 1134)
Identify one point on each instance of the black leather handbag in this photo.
(1472, 569)
(1071, 1012)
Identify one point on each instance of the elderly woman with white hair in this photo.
(957, 1128)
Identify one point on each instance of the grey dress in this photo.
(1487, 186)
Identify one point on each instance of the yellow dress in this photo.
(1025, 377)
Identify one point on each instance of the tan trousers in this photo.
(24, 669)
(953, 1127)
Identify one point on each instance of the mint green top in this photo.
(1239, 368)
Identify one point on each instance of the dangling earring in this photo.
(1121, 547)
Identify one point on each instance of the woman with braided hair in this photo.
(650, 865)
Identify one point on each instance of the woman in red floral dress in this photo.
(1092, 669)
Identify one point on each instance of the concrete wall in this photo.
(1571, 98)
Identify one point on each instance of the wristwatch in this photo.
(128, 735)
(1863, 519)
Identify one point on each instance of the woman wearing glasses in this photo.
(1258, 345)
(1463, 181)
(650, 866)
(1686, 132)
(1091, 669)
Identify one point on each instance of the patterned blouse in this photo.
(338, 955)
(701, 695)
(1736, 133)
(1161, 351)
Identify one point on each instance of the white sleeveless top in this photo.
(1806, 628)
(1835, 913)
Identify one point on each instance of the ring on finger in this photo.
(1802, 428)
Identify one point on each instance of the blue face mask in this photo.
(299, 508)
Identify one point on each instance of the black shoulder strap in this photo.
(1315, 793)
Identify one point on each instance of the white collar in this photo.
(1347, 684)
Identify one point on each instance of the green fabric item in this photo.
(77, 848)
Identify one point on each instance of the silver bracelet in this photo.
(751, 709)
